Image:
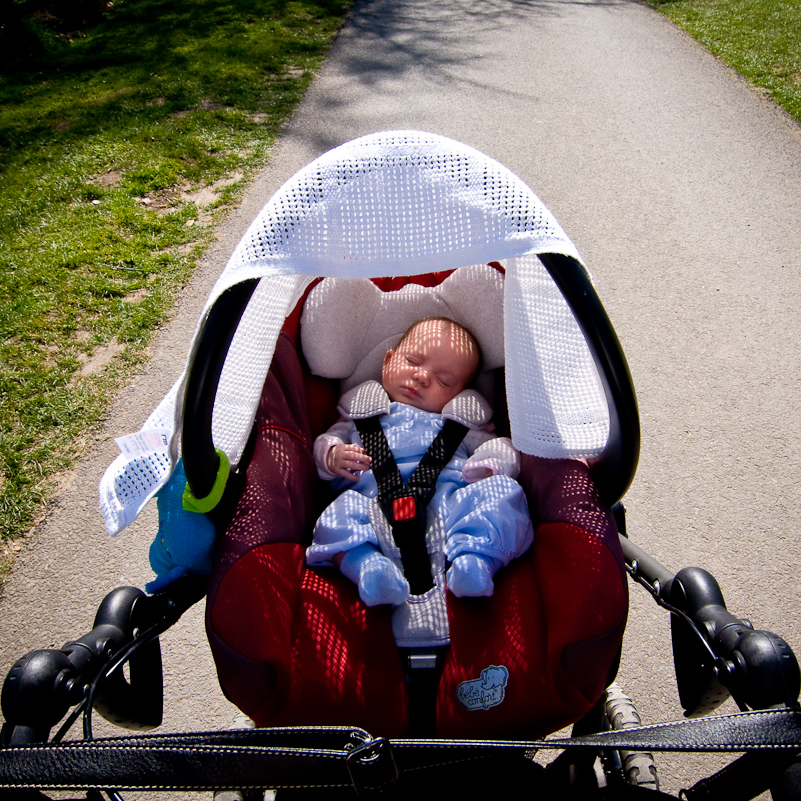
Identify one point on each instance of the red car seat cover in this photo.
(295, 646)
(553, 626)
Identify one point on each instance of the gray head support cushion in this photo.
(348, 325)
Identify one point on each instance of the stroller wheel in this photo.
(637, 767)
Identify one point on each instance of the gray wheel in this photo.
(637, 766)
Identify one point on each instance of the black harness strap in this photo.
(404, 505)
(320, 757)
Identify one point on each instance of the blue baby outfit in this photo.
(489, 517)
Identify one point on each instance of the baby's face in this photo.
(432, 365)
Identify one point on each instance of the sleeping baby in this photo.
(424, 382)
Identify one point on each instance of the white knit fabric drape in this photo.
(393, 203)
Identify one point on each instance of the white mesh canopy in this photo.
(393, 203)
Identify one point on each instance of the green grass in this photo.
(761, 39)
(105, 139)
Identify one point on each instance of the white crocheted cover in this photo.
(394, 203)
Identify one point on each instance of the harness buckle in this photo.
(372, 766)
(404, 508)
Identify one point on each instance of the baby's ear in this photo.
(387, 357)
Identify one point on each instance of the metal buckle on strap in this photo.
(372, 766)
(421, 659)
(422, 675)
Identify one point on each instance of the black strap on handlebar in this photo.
(343, 757)
(404, 505)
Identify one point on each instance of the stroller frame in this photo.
(712, 647)
(716, 654)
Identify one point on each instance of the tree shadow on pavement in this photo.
(439, 42)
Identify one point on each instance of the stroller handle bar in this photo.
(612, 471)
(715, 653)
(42, 685)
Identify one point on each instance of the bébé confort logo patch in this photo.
(486, 692)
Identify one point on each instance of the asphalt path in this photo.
(680, 186)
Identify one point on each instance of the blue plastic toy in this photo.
(185, 539)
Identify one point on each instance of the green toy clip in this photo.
(204, 505)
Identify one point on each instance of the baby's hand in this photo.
(348, 461)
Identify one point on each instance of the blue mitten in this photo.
(185, 539)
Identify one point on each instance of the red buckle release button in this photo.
(404, 508)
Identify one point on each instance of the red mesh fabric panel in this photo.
(334, 659)
(585, 598)
(323, 395)
(254, 617)
(508, 631)
(562, 491)
(278, 500)
(566, 590)
(276, 506)
(346, 668)
(554, 626)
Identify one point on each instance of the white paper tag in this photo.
(155, 440)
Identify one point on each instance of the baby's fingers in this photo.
(356, 464)
(357, 450)
(348, 461)
(357, 455)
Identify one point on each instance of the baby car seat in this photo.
(399, 226)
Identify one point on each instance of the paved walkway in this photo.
(682, 190)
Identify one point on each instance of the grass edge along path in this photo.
(121, 148)
(759, 39)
